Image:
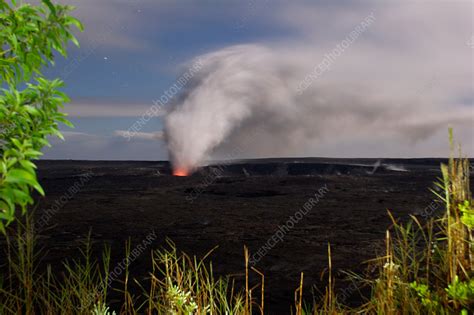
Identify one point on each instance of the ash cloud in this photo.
(372, 101)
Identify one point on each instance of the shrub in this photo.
(30, 35)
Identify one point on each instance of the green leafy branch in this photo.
(30, 35)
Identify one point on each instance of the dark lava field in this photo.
(233, 205)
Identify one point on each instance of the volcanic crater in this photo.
(232, 204)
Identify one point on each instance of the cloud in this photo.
(97, 108)
(125, 24)
(159, 135)
(109, 24)
(84, 146)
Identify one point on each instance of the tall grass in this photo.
(27, 290)
(426, 268)
(429, 268)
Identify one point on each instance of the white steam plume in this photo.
(373, 100)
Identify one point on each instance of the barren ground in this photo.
(122, 200)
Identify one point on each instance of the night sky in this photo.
(132, 51)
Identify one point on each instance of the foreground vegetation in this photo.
(30, 36)
(425, 269)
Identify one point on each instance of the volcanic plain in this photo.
(232, 205)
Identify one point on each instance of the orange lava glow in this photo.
(180, 172)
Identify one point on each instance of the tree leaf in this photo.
(51, 6)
